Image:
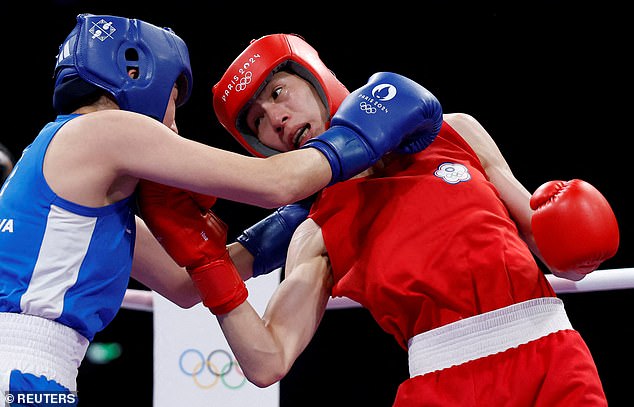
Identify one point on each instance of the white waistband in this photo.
(485, 334)
(40, 346)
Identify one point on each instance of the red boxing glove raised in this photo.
(196, 239)
(573, 225)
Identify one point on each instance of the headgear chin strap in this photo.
(100, 51)
(252, 69)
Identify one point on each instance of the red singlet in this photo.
(426, 242)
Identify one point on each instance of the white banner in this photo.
(193, 364)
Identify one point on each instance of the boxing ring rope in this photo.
(599, 280)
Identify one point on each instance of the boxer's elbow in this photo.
(186, 302)
(266, 377)
(266, 363)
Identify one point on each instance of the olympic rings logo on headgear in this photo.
(368, 108)
(244, 81)
(218, 366)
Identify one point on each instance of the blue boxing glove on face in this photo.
(390, 113)
(268, 239)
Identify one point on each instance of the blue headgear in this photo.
(101, 50)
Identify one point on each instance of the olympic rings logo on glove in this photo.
(244, 81)
(218, 366)
(368, 108)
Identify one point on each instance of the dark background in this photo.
(551, 81)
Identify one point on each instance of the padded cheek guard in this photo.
(252, 69)
(101, 49)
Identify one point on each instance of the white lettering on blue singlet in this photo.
(64, 246)
(6, 225)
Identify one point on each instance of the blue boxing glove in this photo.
(268, 239)
(390, 113)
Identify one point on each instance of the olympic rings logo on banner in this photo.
(218, 366)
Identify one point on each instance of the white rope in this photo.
(599, 280)
(140, 300)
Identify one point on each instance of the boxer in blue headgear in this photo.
(135, 62)
(69, 237)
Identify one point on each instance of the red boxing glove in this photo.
(196, 239)
(573, 225)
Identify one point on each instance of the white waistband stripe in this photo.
(41, 347)
(486, 334)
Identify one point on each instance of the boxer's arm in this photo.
(155, 269)
(515, 196)
(267, 347)
(563, 221)
(104, 165)
(124, 147)
(242, 259)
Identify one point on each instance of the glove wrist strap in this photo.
(220, 285)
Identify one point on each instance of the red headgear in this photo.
(252, 69)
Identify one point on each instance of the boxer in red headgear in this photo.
(437, 245)
(351, 144)
(254, 68)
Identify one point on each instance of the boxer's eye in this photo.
(276, 92)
